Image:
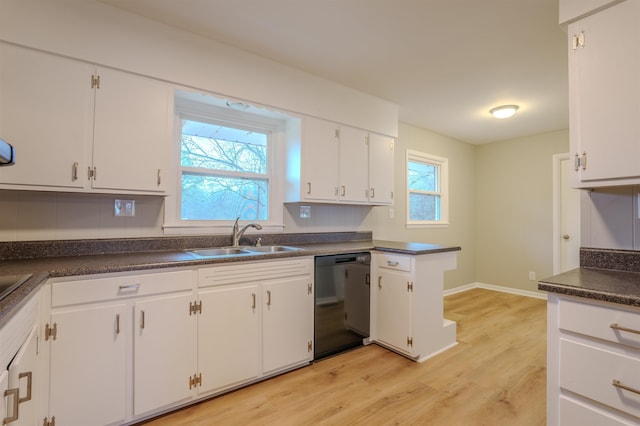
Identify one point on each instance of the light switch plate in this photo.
(124, 207)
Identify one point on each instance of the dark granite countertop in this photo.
(605, 274)
(599, 284)
(46, 267)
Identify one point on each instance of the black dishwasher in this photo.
(342, 302)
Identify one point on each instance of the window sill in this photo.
(427, 225)
(208, 229)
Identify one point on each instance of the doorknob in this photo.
(566, 237)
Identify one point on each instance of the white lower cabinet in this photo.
(407, 312)
(257, 320)
(593, 362)
(287, 322)
(20, 395)
(394, 309)
(107, 364)
(88, 364)
(228, 354)
(164, 351)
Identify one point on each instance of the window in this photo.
(427, 189)
(224, 172)
(226, 162)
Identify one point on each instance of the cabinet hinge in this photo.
(195, 380)
(309, 346)
(410, 341)
(50, 331)
(95, 81)
(92, 173)
(310, 288)
(580, 161)
(337, 134)
(195, 308)
(45, 422)
(410, 286)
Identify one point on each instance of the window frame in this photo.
(442, 164)
(214, 114)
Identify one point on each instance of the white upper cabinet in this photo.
(381, 169)
(46, 113)
(604, 90)
(354, 169)
(570, 10)
(319, 161)
(330, 163)
(81, 128)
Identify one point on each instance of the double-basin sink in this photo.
(239, 251)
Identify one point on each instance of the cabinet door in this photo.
(287, 322)
(228, 350)
(394, 309)
(46, 113)
(131, 146)
(88, 365)
(381, 169)
(320, 152)
(605, 93)
(4, 385)
(24, 375)
(354, 167)
(164, 351)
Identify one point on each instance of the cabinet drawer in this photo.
(590, 372)
(244, 272)
(109, 288)
(394, 261)
(576, 413)
(611, 324)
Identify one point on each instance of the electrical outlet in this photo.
(532, 276)
(124, 207)
(305, 212)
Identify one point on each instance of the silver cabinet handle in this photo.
(344, 190)
(309, 188)
(615, 326)
(141, 320)
(14, 405)
(620, 385)
(129, 286)
(373, 193)
(29, 376)
(392, 263)
(74, 172)
(268, 297)
(117, 323)
(379, 281)
(253, 295)
(159, 181)
(576, 162)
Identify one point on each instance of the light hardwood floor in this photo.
(496, 375)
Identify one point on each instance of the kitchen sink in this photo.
(270, 249)
(224, 251)
(239, 251)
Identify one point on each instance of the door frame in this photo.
(557, 212)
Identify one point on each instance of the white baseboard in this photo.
(493, 287)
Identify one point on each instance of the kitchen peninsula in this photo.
(107, 294)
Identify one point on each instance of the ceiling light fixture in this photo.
(241, 106)
(504, 111)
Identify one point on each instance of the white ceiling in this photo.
(444, 62)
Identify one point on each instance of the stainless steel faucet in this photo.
(237, 233)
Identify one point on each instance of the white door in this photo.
(88, 358)
(164, 351)
(24, 376)
(567, 217)
(394, 309)
(287, 322)
(228, 336)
